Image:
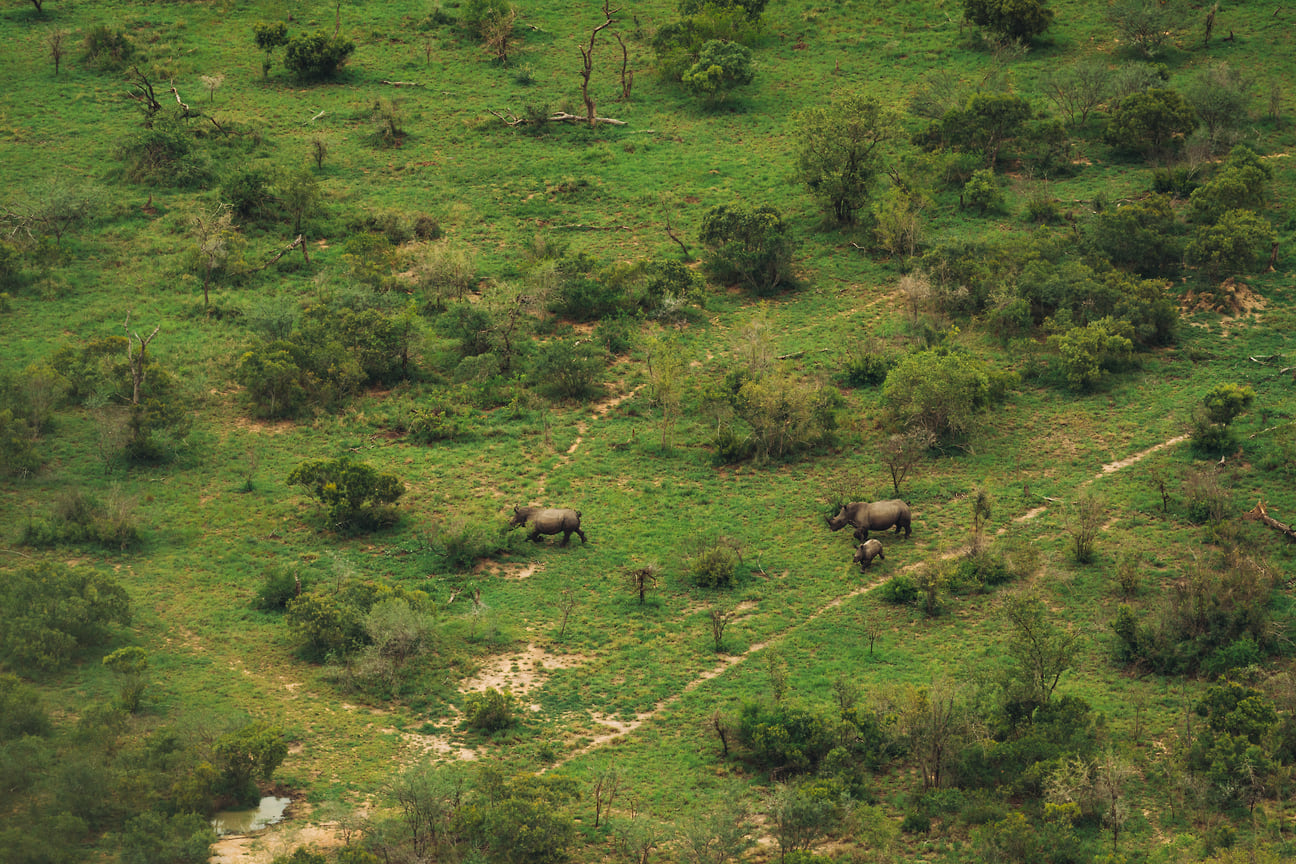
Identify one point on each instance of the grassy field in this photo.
(603, 681)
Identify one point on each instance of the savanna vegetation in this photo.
(301, 299)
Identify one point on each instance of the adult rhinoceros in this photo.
(875, 516)
(548, 520)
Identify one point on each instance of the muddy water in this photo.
(268, 812)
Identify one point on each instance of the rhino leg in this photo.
(581, 533)
(566, 536)
(534, 536)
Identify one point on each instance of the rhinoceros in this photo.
(548, 520)
(875, 516)
(867, 551)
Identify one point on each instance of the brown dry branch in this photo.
(1260, 514)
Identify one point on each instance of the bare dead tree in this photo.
(902, 451)
(566, 603)
(642, 579)
(299, 243)
(670, 231)
(605, 789)
(56, 47)
(136, 358)
(720, 619)
(587, 63)
(627, 74)
(142, 91)
(722, 730)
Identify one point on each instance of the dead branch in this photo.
(512, 119)
(299, 243)
(1259, 514)
(143, 92)
(796, 354)
(403, 83)
(587, 64)
(592, 228)
(138, 367)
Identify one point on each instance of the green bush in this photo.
(982, 193)
(1152, 122)
(715, 564)
(789, 738)
(438, 418)
(866, 368)
(164, 154)
(1088, 354)
(354, 495)
(748, 245)
(324, 626)
(840, 151)
(1240, 184)
(18, 454)
(720, 68)
(317, 55)
(276, 384)
(49, 611)
(1020, 20)
(1237, 243)
(569, 369)
(279, 587)
(490, 710)
(1225, 402)
(79, 519)
(1141, 236)
(21, 710)
(107, 49)
(900, 590)
(461, 543)
(942, 391)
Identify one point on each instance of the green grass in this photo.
(495, 189)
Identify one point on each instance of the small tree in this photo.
(1146, 24)
(1041, 652)
(1083, 521)
(666, 371)
(841, 150)
(1225, 402)
(750, 245)
(719, 619)
(1237, 243)
(939, 392)
(901, 451)
(1221, 97)
(982, 192)
(213, 230)
(1090, 352)
(720, 67)
(130, 666)
(353, 494)
(1078, 89)
(56, 47)
(1020, 20)
(269, 37)
(1153, 122)
(317, 55)
(251, 752)
(641, 579)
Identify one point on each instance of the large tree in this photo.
(1009, 19)
(841, 151)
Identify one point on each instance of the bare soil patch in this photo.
(520, 672)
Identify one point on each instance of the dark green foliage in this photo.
(279, 587)
(1240, 184)
(866, 368)
(129, 666)
(245, 755)
(748, 245)
(720, 67)
(21, 710)
(461, 543)
(1238, 243)
(569, 370)
(439, 418)
(784, 416)
(18, 454)
(750, 8)
(153, 838)
(900, 590)
(916, 823)
(270, 36)
(1088, 354)
(1152, 122)
(250, 193)
(841, 150)
(317, 55)
(490, 710)
(354, 495)
(107, 49)
(788, 738)
(477, 14)
(983, 125)
(982, 193)
(48, 612)
(324, 625)
(165, 154)
(302, 855)
(520, 819)
(1141, 236)
(1146, 24)
(1225, 402)
(715, 563)
(678, 44)
(276, 384)
(942, 391)
(1239, 655)
(1010, 19)
(1231, 751)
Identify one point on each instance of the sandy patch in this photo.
(519, 672)
(1111, 467)
(277, 840)
(488, 567)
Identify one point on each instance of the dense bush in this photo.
(569, 370)
(48, 612)
(785, 737)
(276, 384)
(715, 563)
(840, 151)
(1087, 354)
(982, 193)
(748, 245)
(80, 519)
(1241, 183)
(720, 67)
(490, 710)
(1237, 243)
(18, 454)
(983, 124)
(1010, 19)
(317, 55)
(1152, 122)
(165, 154)
(324, 625)
(1140, 236)
(942, 391)
(354, 495)
(106, 48)
(1146, 24)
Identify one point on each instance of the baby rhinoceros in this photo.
(867, 551)
(548, 520)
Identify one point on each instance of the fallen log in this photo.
(1259, 514)
(556, 117)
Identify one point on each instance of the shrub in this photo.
(1010, 19)
(1226, 401)
(491, 710)
(941, 391)
(106, 48)
(748, 245)
(1146, 24)
(1205, 498)
(715, 563)
(21, 710)
(569, 369)
(866, 368)
(982, 192)
(276, 384)
(1237, 243)
(353, 494)
(317, 55)
(720, 67)
(478, 14)
(1240, 184)
(786, 737)
(164, 154)
(324, 625)
(461, 543)
(278, 588)
(80, 519)
(18, 454)
(438, 418)
(48, 612)
(900, 590)
(1153, 122)
(1089, 353)
(1141, 236)
(1221, 97)
(840, 151)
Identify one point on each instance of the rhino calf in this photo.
(867, 551)
(548, 520)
